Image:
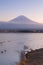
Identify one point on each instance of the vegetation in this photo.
(34, 57)
(21, 31)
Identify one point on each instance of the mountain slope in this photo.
(22, 20)
(20, 23)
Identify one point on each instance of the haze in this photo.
(32, 9)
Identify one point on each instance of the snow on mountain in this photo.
(20, 23)
(22, 20)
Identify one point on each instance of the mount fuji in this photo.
(22, 20)
(20, 23)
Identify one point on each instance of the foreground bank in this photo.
(34, 57)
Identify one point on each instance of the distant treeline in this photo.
(21, 31)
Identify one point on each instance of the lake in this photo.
(12, 43)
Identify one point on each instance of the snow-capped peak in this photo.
(22, 20)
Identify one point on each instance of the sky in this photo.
(32, 9)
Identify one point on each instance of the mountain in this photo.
(20, 23)
(22, 20)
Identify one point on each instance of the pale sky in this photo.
(32, 9)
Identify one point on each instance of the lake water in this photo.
(13, 43)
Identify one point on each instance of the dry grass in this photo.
(34, 57)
